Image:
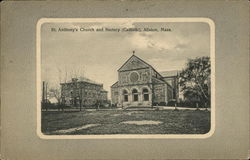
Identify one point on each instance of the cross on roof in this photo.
(133, 52)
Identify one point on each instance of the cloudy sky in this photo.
(98, 55)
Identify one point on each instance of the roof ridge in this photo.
(85, 79)
(140, 60)
(137, 58)
(170, 73)
(170, 70)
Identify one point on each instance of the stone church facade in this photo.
(139, 84)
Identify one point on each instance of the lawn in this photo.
(114, 122)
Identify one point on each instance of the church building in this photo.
(139, 84)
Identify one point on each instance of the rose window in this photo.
(134, 77)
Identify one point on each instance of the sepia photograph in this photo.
(125, 77)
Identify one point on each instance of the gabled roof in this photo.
(83, 79)
(157, 80)
(115, 85)
(139, 60)
(170, 73)
(134, 56)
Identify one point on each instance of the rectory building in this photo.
(82, 91)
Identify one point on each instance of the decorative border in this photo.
(124, 136)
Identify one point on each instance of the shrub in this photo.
(162, 104)
(155, 104)
(192, 104)
(171, 103)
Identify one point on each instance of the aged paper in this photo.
(92, 80)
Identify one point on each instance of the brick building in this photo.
(82, 91)
(139, 84)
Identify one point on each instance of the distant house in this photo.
(139, 84)
(53, 100)
(82, 91)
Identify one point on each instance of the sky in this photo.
(98, 55)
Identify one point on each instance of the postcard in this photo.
(125, 78)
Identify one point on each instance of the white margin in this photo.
(121, 136)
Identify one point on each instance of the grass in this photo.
(173, 122)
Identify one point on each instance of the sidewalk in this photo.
(181, 108)
(163, 108)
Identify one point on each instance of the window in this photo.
(134, 77)
(145, 94)
(135, 95)
(125, 96)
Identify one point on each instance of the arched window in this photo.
(125, 95)
(135, 95)
(145, 94)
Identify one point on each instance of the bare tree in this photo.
(55, 89)
(63, 73)
(56, 93)
(66, 75)
(76, 72)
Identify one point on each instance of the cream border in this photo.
(120, 136)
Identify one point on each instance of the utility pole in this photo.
(43, 92)
(43, 95)
(80, 99)
(177, 82)
(46, 93)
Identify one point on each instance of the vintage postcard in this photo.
(125, 78)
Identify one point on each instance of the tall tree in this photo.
(195, 79)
